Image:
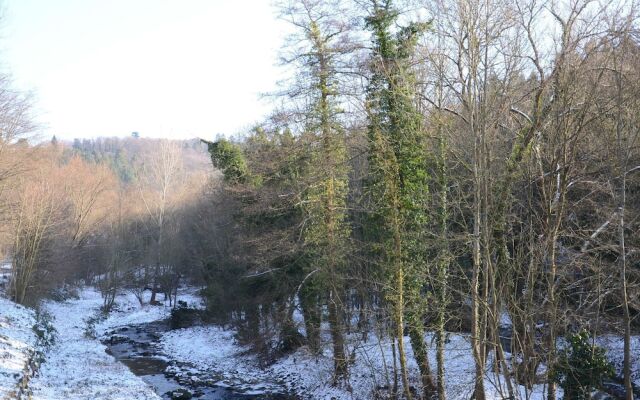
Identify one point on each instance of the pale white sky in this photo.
(164, 68)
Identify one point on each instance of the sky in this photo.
(163, 68)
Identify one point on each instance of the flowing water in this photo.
(137, 347)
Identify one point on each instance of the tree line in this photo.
(440, 166)
(70, 215)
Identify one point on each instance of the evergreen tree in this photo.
(228, 157)
(322, 34)
(399, 178)
(581, 367)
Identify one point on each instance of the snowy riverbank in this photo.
(18, 344)
(310, 377)
(78, 367)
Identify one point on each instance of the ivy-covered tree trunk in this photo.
(416, 334)
(398, 297)
(399, 180)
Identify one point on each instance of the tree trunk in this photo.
(476, 340)
(622, 259)
(399, 295)
(416, 334)
(551, 320)
(340, 361)
(625, 308)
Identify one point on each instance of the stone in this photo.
(181, 394)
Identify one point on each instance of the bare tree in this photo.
(158, 180)
(37, 214)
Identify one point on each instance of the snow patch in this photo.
(17, 344)
(215, 350)
(615, 353)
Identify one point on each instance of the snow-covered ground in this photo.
(310, 376)
(77, 366)
(17, 345)
(215, 350)
(615, 352)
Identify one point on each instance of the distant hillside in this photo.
(122, 155)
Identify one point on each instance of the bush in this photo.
(183, 316)
(90, 328)
(44, 329)
(581, 367)
(64, 293)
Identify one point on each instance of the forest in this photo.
(433, 173)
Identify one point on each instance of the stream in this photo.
(138, 347)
